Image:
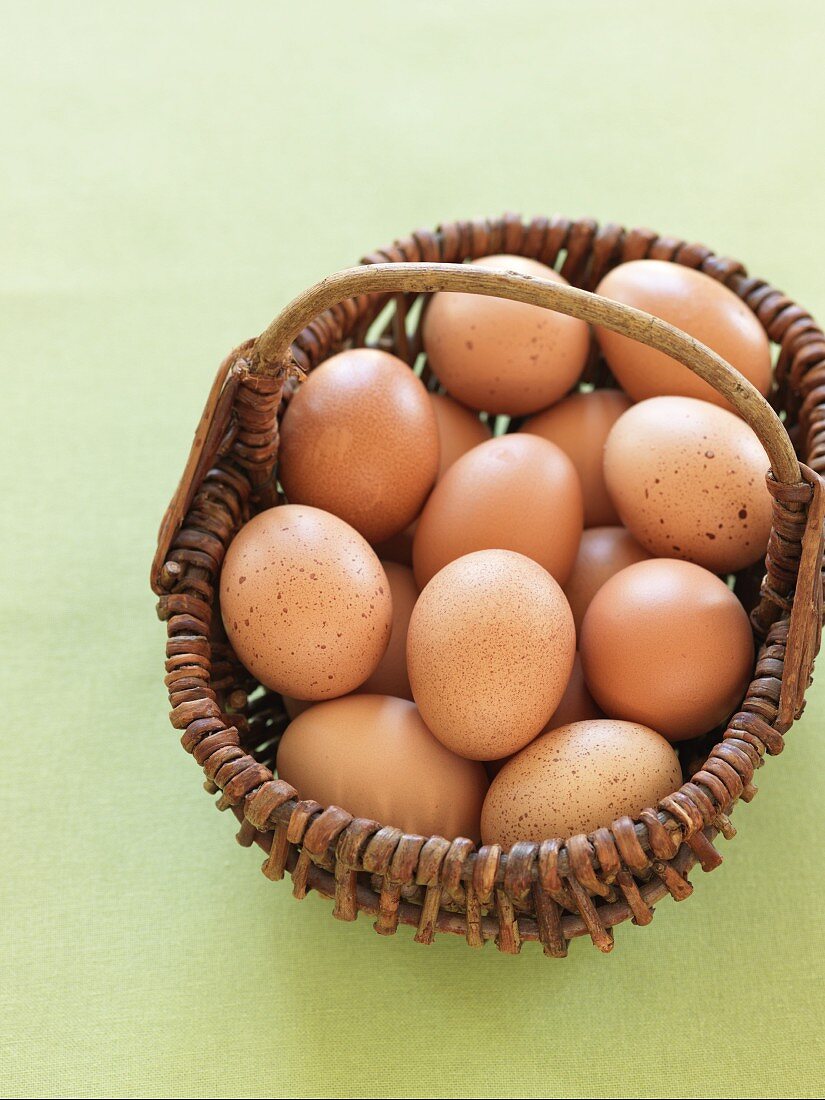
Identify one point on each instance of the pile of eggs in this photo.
(502, 634)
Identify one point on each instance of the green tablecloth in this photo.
(172, 173)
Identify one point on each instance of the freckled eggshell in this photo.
(515, 492)
(576, 779)
(576, 705)
(580, 425)
(390, 678)
(501, 356)
(373, 756)
(667, 644)
(359, 439)
(603, 551)
(459, 430)
(688, 480)
(698, 305)
(490, 649)
(305, 602)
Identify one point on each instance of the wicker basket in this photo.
(564, 887)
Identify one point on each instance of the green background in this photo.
(172, 173)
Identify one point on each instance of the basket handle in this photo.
(270, 356)
(271, 351)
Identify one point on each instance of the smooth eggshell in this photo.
(578, 778)
(390, 678)
(490, 649)
(359, 439)
(373, 756)
(688, 481)
(515, 492)
(305, 602)
(603, 551)
(667, 644)
(502, 356)
(580, 425)
(698, 305)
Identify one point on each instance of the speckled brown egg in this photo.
(359, 439)
(578, 778)
(390, 678)
(603, 551)
(579, 425)
(698, 305)
(516, 492)
(502, 356)
(667, 644)
(305, 602)
(490, 649)
(373, 756)
(688, 481)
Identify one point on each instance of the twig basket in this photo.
(566, 886)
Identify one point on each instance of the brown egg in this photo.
(577, 705)
(603, 551)
(294, 707)
(502, 356)
(580, 425)
(489, 652)
(516, 492)
(398, 548)
(698, 305)
(688, 480)
(305, 602)
(667, 644)
(576, 779)
(359, 439)
(373, 756)
(459, 430)
(390, 678)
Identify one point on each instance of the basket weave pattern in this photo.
(564, 887)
